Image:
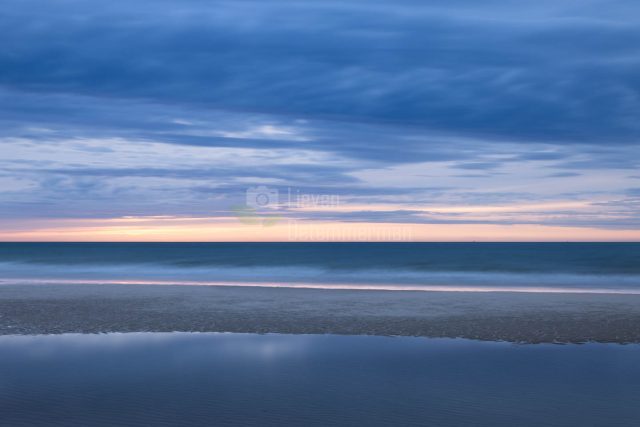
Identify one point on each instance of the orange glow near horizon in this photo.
(175, 229)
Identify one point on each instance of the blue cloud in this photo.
(547, 71)
(95, 99)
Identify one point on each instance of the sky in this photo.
(194, 120)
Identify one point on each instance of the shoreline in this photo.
(489, 316)
(525, 289)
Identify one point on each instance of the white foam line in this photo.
(336, 286)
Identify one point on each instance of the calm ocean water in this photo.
(580, 267)
(158, 379)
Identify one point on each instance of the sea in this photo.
(516, 267)
(235, 379)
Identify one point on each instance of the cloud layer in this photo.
(497, 112)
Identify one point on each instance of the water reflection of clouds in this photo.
(191, 345)
(183, 347)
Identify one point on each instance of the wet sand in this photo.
(516, 317)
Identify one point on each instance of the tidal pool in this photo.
(198, 379)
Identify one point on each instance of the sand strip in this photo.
(518, 317)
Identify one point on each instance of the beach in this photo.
(497, 316)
